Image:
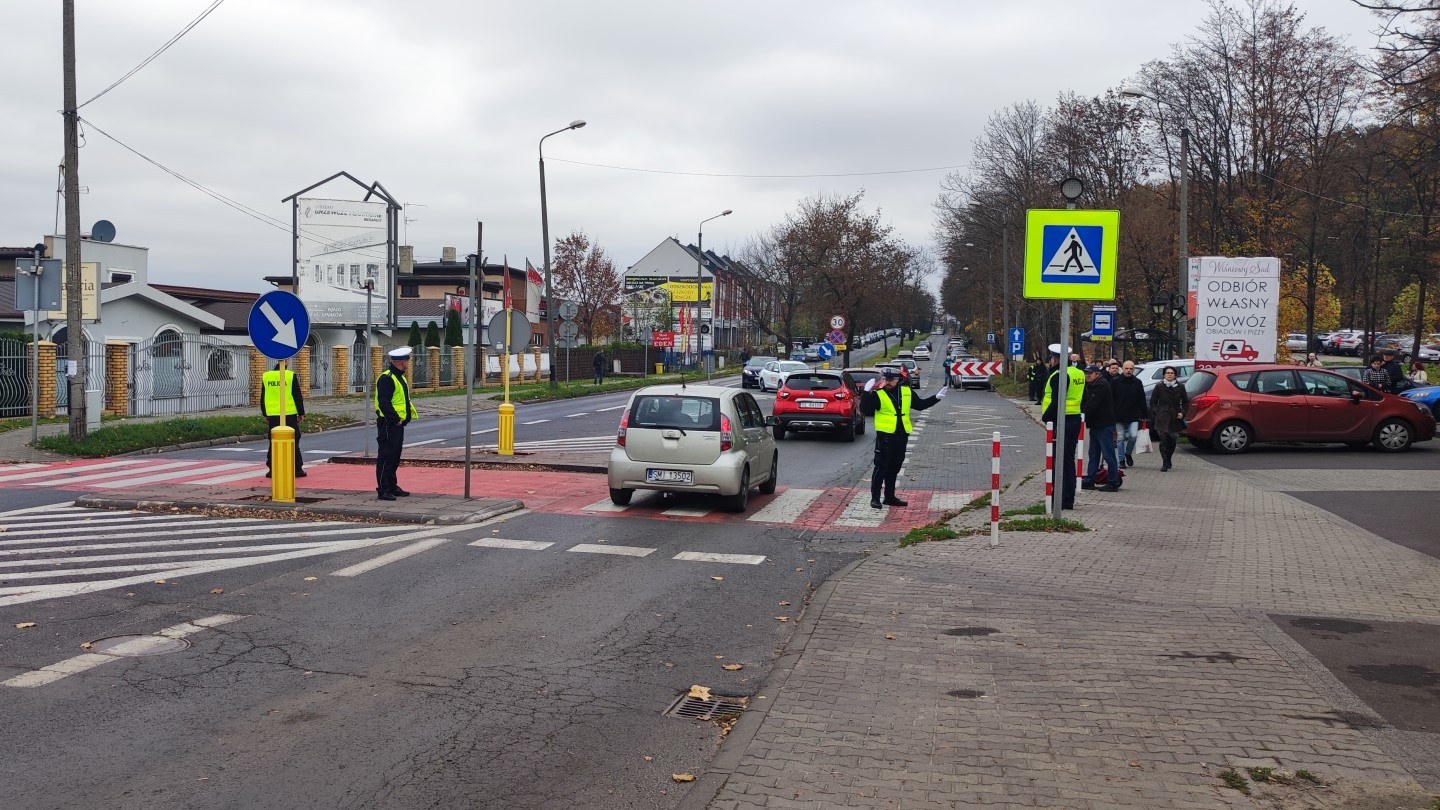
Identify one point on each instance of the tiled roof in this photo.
(7, 301)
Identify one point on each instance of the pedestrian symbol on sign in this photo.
(1072, 253)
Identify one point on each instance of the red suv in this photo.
(818, 400)
(1231, 409)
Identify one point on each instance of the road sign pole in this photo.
(1062, 378)
(506, 439)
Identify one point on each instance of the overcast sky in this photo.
(443, 101)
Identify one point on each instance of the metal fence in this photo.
(320, 378)
(359, 366)
(14, 378)
(447, 366)
(174, 373)
(420, 367)
(94, 372)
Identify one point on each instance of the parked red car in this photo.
(818, 400)
(1230, 410)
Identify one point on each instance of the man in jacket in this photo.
(1098, 405)
(393, 411)
(1036, 378)
(891, 404)
(1074, 391)
(1393, 369)
(1130, 410)
(277, 406)
(599, 363)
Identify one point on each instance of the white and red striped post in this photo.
(995, 489)
(1049, 467)
(1080, 455)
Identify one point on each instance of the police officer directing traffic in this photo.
(891, 404)
(393, 411)
(276, 405)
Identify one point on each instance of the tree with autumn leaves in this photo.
(586, 275)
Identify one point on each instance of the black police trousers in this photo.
(389, 441)
(889, 457)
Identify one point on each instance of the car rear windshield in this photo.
(812, 382)
(1199, 383)
(860, 377)
(675, 411)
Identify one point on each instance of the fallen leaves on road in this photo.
(217, 591)
(798, 570)
(649, 758)
(718, 579)
(889, 636)
(683, 777)
(87, 645)
(23, 625)
(733, 667)
(782, 618)
(159, 582)
(699, 692)
(310, 579)
(784, 603)
(719, 658)
(669, 664)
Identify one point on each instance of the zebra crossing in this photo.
(580, 444)
(61, 550)
(116, 474)
(841, 508)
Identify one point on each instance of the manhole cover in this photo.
(969, 631)
(966, 693)
(716, 708)
(134, 646)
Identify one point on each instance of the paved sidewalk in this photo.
(1127, 666)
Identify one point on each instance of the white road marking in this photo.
(245, 450)
(80, 479)
(386, 559)
(80, 663)
(170, 476)
(46, 473)
(486, 430)
(536, 422)
(145, 555)
(624, 551)
(326, 452)
(859, 513)
(427, 441)
(226, 479)
(576, 415)
(219, 526)
(524, 545)
(705, 556)
(946, 501)
(687, 511)
(604, 506)
(787, 506)
(612, 408)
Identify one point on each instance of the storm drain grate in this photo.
(968, 694)
(717, 708)
(969, 631)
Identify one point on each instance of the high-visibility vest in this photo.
(885, 416)
(399, 398)
(1074, 390)
(278, 399)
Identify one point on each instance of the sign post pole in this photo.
(282, 449)
(279, 325)
(35, 356)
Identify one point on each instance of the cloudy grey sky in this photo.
(442, 101)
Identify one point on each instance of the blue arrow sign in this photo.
(279, 325)
(1017, 334)
(825, 350)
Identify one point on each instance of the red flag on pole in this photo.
(507, 282)
(532, 275)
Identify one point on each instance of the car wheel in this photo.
(779, 433)
(848, 434)
(768, 488)
(860, 427)
(1393, 436)
(741, 499)
(1232, 437)
(621, 497)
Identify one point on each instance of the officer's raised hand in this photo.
(870, 384)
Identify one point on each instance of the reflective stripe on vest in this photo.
(885, 416)
(398, 399)
(277, 393)
(1074, 390)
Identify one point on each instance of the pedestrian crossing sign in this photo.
(1071, 255)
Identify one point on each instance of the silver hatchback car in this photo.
(694, 438)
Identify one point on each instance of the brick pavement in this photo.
(1128, 666)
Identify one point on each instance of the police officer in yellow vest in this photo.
(1074, 393)
(276, 403)
(891, 404)
(393, 411)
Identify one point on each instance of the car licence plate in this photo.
(670, 476)
(811, 403)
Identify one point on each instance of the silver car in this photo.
(694, 438)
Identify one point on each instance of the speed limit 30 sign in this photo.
(837, 321)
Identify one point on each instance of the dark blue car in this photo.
(1427, 395)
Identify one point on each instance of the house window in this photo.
(410, 290)
(117, 277)
(219, 365)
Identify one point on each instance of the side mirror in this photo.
(771, 421)
(1356, 396)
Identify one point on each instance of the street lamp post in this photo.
(545, 235)
(1184, 283)
(699, 288)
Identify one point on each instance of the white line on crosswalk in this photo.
(96, 521)
(53, 471)
(112, 474)
(225, 479)
(145, 555)
(603, 506)
(171, 476)
(427, 441)
(624, 551)
(232, 527)
(787, 506)
(385, 559)
(523, 545)
(705, 556)
(687, 511)
(137, 646)
(859, 513)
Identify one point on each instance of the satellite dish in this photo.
(103, 231)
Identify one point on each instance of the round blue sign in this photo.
(279, 325)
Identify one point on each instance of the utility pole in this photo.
(74, 278)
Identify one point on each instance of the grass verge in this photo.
(128, 437)
(927, 534)
(981, 502)
(1043, 524)
(1033, 509)
(1233, 779)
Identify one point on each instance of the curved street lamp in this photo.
(545, 235)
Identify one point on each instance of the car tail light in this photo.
(839, 394)
(1204, 402)
(727, 440)
(783, 394)
(624, 422)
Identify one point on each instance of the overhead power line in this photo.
(162, 49)
(760, 176)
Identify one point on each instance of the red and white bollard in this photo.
(1049, 467)
(995, 489)
(1080, 455)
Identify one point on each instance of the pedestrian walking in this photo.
(1313, 361)
(1417, 373)
(1074, 392)
(1130, 410)
(393, 411)
(891, 403)
(1098, 405)
(1167, 408)
(599, 363)
(1111, 370)
(1036, 378)
(1376, 376)
(281, 402)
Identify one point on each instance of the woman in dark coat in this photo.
(1167, 407)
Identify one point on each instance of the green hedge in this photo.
(128, 437)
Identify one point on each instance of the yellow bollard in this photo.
(507, 429)
(659, 368)
(282, 464)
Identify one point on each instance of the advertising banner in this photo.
(90, 294)
(342, 244)
(1238, 302)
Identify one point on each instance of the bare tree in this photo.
(585, 275)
